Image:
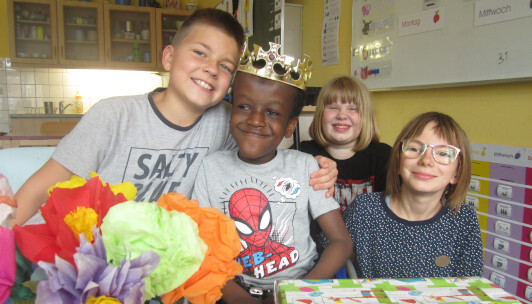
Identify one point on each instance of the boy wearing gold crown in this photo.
(157, 140)
(264, 189)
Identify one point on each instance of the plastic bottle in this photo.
(136, 52)
(79, 104)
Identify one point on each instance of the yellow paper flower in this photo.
(74, 182)
(102, 300)
(81, 221)
(127, 188)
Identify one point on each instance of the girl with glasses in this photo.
(418, 227)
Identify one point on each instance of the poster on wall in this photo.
(225, 5)
(373, 23)
(245, 16)
(330, 29)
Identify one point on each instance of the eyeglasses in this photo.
(442, 154)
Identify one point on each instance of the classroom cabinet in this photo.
(167, 22)
(129, 38)
(56, 32)
(79, 34)
(33, 31)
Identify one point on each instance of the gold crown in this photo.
(273, 66)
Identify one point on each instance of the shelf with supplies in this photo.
(33, 31)
(167, 22)
(79, 34)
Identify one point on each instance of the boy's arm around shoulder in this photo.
(338, 250)
(326, 176)
(34, 191)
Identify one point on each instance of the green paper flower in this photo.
(132, 228)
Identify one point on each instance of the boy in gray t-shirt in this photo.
(265, 190)
(157, 141)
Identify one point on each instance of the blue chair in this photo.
(18, 164)
(347, 271)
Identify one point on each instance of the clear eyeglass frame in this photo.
(442, 154)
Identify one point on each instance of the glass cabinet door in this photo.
(168, 21)
(80, 32)
(32, 27)
(130, 41)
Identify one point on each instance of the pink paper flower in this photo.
(8, 264)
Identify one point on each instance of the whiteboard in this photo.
(402, 44)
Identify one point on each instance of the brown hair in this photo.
(347, 90)
(214, 17)
(447, 129)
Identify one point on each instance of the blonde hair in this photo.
(448, 129)
(347, 90)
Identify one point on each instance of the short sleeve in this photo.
(200, 192)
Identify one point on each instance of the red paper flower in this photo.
(67, 212)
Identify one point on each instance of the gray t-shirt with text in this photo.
(128, 139)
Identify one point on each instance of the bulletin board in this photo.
(409, 44)
(266, 23)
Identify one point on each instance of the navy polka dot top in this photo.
(387, 246)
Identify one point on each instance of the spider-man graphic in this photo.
(262, 256)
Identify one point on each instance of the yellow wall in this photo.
(4, 33)
(492, 114)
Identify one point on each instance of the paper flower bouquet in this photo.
(99, 246)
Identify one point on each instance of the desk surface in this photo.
(418, 290)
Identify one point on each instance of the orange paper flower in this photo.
(219, 233)
(67, 211)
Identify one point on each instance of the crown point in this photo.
(272, 59)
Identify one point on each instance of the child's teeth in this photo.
(204, 84)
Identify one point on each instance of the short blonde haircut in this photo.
(448, 129)
(347, 90)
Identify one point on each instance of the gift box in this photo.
(412, 290)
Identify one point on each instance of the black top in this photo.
(364, 172)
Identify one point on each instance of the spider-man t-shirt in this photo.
(270, 204)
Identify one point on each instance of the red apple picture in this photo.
(436, 16)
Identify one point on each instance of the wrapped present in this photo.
(409, 290)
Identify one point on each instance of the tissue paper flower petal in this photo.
(219, 233)
(5, 188)
(74, 182)
(102, 300)
(94, 277)
(131, 228)
(127, 188)
(8, 263)
(7, 214)
(42, 242)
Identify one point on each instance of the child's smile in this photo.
(341, 123)
(202, 66)
(260, 117)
